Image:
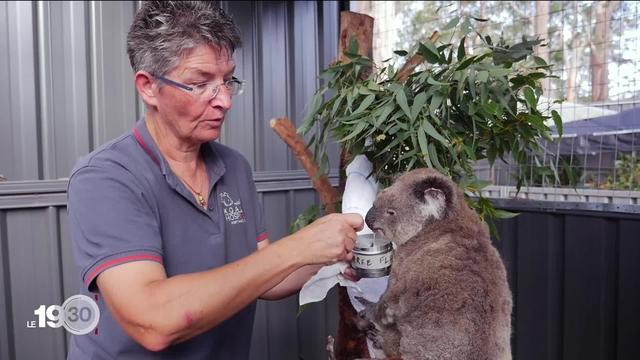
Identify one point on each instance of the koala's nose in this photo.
(370, 219)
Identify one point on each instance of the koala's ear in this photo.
(430, 189)
(434, 194)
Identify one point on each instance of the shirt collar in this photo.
(212, 159)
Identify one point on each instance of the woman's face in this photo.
(196, 119)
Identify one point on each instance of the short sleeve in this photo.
(261, 228)
(111, 221)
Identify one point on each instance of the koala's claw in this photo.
(362, 322)
(374, 336)
(363, 301)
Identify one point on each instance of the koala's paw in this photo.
(363, 322)
(374, 336)
(388, 317)
(330, 348)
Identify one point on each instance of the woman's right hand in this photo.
(329, 239)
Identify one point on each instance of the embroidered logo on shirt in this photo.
(233, 212)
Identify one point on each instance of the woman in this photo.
(165, 221)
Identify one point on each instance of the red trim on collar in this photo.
(145, 147)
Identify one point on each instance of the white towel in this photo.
(318, 286)
(358, 197)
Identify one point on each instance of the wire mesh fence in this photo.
(594, 47)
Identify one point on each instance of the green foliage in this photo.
(627, 174)
(305, 218)
(450, 113)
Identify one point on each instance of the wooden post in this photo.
(350, 342)
(359, 26)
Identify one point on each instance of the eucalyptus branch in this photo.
(458, 109)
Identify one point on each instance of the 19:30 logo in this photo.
(79, 315)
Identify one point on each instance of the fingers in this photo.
(350, 274)
(354, 220)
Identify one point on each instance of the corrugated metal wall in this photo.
(575, 278)
(66, 87)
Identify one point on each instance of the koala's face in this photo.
(412, 202)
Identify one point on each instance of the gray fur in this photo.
(448, 296)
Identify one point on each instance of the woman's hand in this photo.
(329, 239)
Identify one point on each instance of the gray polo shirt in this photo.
(125, 204)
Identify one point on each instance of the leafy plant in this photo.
(455, 109)
(627, 171)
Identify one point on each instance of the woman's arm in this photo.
(294, 282)
(157, 311)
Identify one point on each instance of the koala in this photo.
(447, 296)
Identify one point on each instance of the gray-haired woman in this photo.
(167, 229)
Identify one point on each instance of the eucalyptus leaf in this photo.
(429, 129)
(452, 23)
(483, 76)
(418, 103)
(436, 101)
(307, 122)
(401, 98)
(503, 214)
(466, 26)
(557, 121)
(461, 52)
(365, 104)
(433, 155)
(432, 81)
(530, 97)
(429, 52)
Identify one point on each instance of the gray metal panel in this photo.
(64, 92)
(240, 121)
(305, 59)
(67, 87)
(7, 339)
(18, 97)
(114, 102)
(328, 33)
(273, 18)
(281, 325)
(540, 253)
(627, 292)
(589, 288)
(260, 336)
(34, 280)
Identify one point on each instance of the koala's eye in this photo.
(391, 212)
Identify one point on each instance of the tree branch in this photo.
(287, 132)
(409, 67)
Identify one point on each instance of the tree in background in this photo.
(584, 38)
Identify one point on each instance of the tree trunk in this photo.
(572, 53)
(599, 48)
(351, 343)
(541, 25)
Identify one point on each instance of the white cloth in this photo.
(358, 197)
(327, 277)
(359, 194)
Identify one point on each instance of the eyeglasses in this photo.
(208, 90)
